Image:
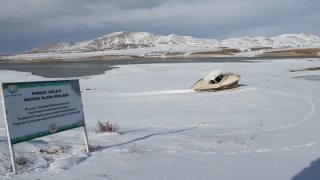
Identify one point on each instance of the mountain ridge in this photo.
(128, 40)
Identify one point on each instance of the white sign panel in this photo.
(36, 109)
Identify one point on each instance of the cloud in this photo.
(78, 20)
(138, 4)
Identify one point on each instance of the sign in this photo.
(36, 109)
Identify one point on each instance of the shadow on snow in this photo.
(148, 136)
(311, 172)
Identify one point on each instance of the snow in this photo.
(107, 41)
(212, 75)
(158, 51)
(267, 128)
(144, 44)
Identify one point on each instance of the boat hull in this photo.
(227, 83)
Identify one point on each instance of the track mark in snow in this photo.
(311, 144)
(98, 168)
(170, 151)
(230, 153)
(246, 151)
(175, 159)
(67, 163)
(192, 152)
(263, 150)
(247, 89)
(312, 108)
(182, 91)
(296, 146)
(210, 152)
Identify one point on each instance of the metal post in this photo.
(86, 137)
(11, 149)
(13, 158)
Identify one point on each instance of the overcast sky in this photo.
(26, 24)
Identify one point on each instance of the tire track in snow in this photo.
(266, 150)
(99, 169)
(311, 113)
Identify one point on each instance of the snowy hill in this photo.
(125, 40)
(129, 40)
(294, 40)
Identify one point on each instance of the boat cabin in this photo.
(214, 77)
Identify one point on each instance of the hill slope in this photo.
(129, 40)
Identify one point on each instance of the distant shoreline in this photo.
(294, 53)
(83, 68)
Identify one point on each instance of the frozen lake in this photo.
(86, 68)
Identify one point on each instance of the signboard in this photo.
(36, 109)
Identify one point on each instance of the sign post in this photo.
(36, 109)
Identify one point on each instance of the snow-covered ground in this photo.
(267, 128)
(167, 51)
(159, 51)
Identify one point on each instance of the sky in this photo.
(25, 24)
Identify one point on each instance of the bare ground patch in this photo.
(175, 54)
(107, 57)
(293, 52)
(306, 69)
(259, 48)
(224, 51)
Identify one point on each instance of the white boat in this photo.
(217, 80)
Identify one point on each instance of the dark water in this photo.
(309, 78)
(67, 69)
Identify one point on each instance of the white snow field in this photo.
(267, 128)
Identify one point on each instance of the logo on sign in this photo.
(52, 127)
(13, 89)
